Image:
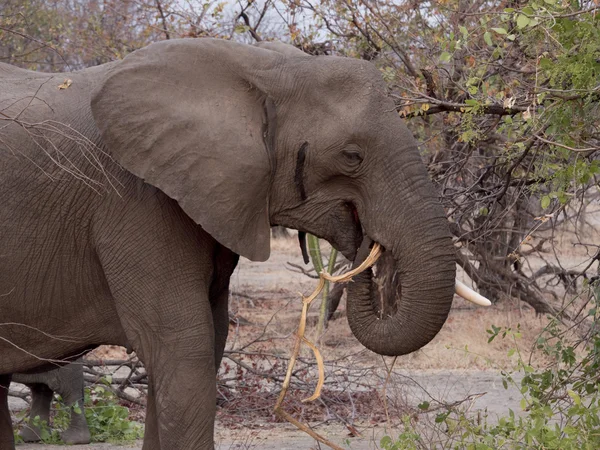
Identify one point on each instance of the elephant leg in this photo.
(220, 313)
(71, 389)
(226, 261)
(174, 336)
(151, 437)
(41, 400)
(160, 274)
(7, 441)
(181, 371)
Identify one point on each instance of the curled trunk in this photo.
(423, 300)
(407, 219)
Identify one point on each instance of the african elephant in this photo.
(67, 381)
(129, 191)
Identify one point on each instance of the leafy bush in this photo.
(108, 421)
(560, 401)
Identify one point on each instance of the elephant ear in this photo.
(192, 118)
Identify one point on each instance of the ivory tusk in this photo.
(469, 294)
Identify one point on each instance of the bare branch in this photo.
(163, 18)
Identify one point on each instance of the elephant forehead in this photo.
(353, 77)
(349, 92)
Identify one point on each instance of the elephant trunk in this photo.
(427, 289)
(425, 268)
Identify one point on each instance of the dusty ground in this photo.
(459, 363)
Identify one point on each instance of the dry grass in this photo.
(463, 341)
(461, 344)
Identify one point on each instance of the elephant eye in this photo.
(353, 156)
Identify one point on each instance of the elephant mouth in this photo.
(346, 235)
(357, 232)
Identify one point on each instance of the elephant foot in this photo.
(74, 437)
(30, 434)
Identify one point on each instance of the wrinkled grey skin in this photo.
(67, 381)
(127, 198)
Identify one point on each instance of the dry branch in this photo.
(306, 301)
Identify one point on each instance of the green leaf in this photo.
(545, 201)
(523, 404)
(445, 57)
(239, 29)
(522, 21)
(500, 30)
(576, 398)
(487, 37)
(562, 197)
(441, 417)
(528, 10)
(424, 406)
(546, 63)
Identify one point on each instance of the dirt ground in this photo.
(458, 364)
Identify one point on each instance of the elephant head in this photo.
(245, 137)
